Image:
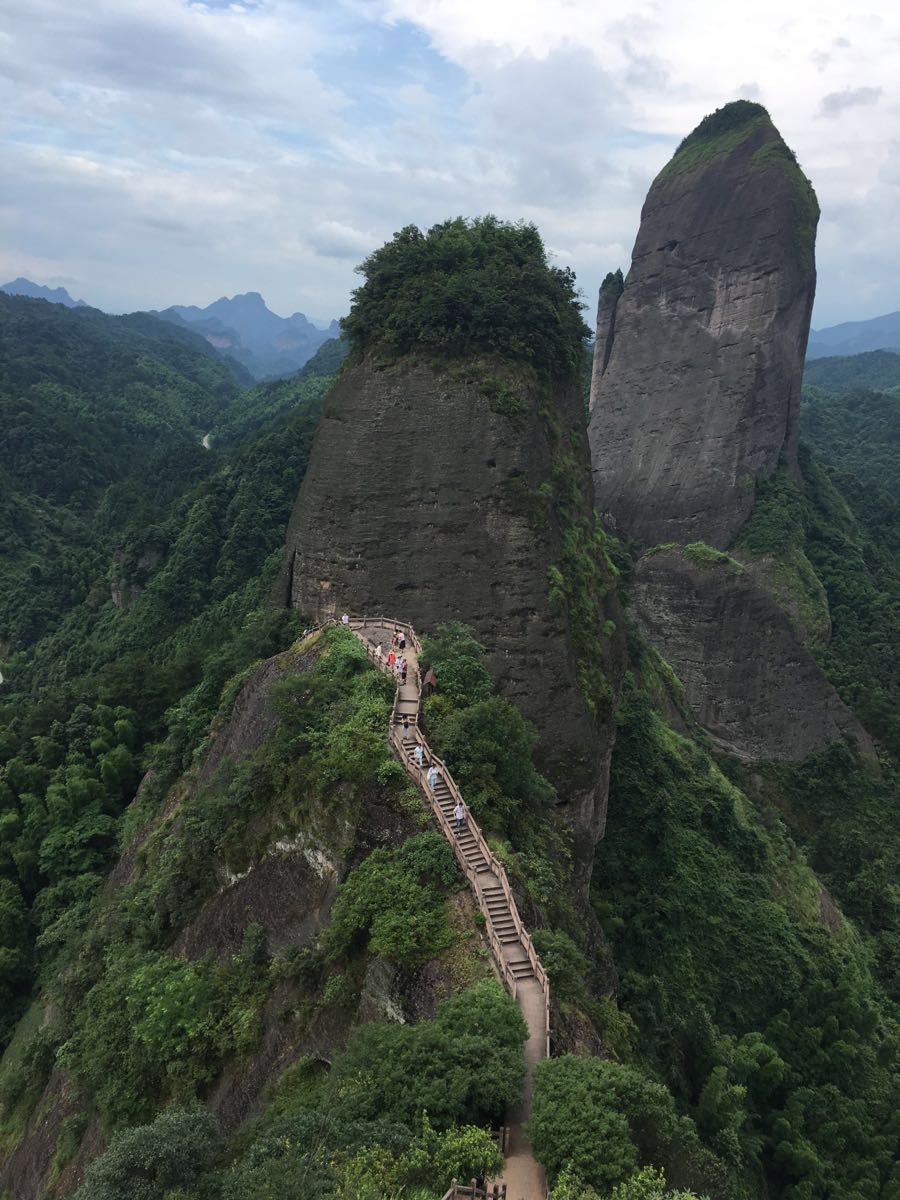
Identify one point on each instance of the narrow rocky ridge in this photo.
(425, 495)
(515, 959)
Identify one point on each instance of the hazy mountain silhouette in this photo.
(856, 337)
(37, 291)
(243, 327)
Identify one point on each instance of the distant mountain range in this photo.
(24, 287)
(856, 337)
(241, 328)
(244, 328)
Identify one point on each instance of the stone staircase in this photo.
(515, 959)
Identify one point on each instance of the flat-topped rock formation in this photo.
(697, 397)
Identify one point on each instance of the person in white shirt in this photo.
(432, 776)
(345, 619)
(419, 754)
(460, 813)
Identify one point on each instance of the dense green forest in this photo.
(137, 579)
(851, 420)
(739, 978)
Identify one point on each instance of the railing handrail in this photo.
(356, 625)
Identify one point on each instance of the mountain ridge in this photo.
(855, 337)
(20, 286)
(245, 328)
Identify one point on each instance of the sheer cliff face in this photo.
(700, 393)
(748, 678)
(694, 403)
(424, 503)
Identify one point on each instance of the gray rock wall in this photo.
(422, 502)
(700, 396)
(748, 678)
(607, 303)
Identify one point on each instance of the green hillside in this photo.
(100, 425)
(217, 889)
(134, 578)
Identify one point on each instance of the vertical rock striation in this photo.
(699, 395)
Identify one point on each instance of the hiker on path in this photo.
(379, 653)
(406, 729)
(432, 776)
(345, 619)
(401, 639)
(419, 754)
(403, 670)
(391, 659)
(460, 813)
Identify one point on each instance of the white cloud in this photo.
(160, 151)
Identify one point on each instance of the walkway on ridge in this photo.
(515, 958)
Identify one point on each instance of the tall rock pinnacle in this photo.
(697, 397)
(450, 481)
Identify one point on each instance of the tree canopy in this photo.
(468, 288)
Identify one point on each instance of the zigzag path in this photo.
(515, 959)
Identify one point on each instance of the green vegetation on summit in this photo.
(719, 133)
(467, 289)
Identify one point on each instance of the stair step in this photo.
(521, 970)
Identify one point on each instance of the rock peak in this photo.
(696, 399)
(729, 119)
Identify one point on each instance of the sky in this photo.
(163, 151)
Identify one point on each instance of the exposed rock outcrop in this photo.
(748, 679)
(607, 302)
(699, 398)
(434, 495)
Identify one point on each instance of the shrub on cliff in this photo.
(391, 903)
(148, 1161)
(601, 1119)
(467, 288)
(465, 1065)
